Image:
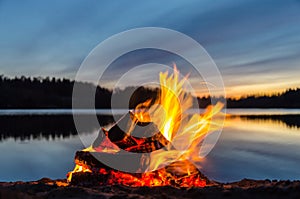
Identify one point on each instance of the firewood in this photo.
(123, 134)
(89, 159)
(178, 173)
(130, 162)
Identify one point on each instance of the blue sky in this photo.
(255, 44)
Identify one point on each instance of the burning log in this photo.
(136, 132)
(122, 135)
(91, 161)
(180, 173)
(90, 171)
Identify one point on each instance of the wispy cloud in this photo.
(247, 39)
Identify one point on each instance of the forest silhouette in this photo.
(55, 93)
(52, 93)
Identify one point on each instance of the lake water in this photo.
(254, 143)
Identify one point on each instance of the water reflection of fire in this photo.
(179, 133)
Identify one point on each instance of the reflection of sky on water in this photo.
(34, 159)
(247, 148)
(257, 149)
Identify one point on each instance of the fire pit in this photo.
(164, 137)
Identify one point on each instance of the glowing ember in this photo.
(78, 169)
(169, 112)
(172, 175)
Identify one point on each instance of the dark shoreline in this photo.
(246, 188)
(44, 93)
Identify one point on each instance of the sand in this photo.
(47, 188)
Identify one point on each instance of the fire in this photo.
(77, 169)
(169, 112)
(159, 178)
(106, 146)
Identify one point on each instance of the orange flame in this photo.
(77, 169)
(184, 131)
(170, 114)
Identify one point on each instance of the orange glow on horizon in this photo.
(237, 92)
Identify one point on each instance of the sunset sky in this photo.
(255, 44)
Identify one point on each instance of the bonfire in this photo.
(168, 144)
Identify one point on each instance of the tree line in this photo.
(42, 93)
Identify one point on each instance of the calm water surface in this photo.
(254, 143)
